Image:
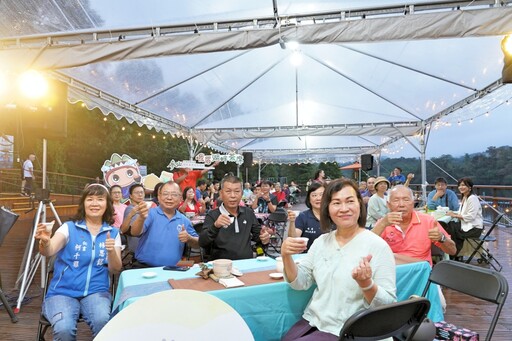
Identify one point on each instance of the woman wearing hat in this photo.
(377, 205)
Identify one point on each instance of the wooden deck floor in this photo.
(463, 311)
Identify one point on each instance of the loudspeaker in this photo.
(247, 160)
(366, 162)
(49, 117)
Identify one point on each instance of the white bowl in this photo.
(276, 275)
(149, 274)
(262, 258)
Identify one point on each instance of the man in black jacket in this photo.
(231, 228)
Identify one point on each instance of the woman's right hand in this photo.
(42, 234)
(292, 246)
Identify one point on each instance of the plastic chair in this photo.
(485, 284)
(483, 253)
(376, 324)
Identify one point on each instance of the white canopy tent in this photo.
(219, 72)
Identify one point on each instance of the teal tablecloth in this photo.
(270, 309)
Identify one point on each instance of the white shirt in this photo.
(471, 212)
(28, 168)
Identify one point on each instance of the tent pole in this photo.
(423, 148)
(259, 170)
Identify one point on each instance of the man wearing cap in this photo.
(442, 196)
(409, 233)
(377, 205)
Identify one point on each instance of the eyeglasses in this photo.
(138, 192)
(169, 195)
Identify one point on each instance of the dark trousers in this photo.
(28, 185)
(458, 235)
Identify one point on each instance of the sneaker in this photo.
(23, 194)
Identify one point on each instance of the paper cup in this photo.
(49, 226)
(222, 267)
(304, 240)
(279, 265)
(296, 213)
(149, 204)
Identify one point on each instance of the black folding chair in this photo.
(400, 320)
(189, 251)
(483, 253)
(7, 220)
(44, 324)
(276, 221)
(482, 283)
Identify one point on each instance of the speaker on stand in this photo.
(366, 162)
(247, 163)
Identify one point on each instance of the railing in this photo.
(10, 182)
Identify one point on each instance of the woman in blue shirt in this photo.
(85, 250)
(307, 224)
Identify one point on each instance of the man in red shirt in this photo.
(409, 233)
(186, 177)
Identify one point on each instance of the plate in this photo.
(276, 275)
(149, 274)
(262, 258)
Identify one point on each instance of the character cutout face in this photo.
(122, 171)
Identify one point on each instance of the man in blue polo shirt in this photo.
(163, 231)
(442, 196)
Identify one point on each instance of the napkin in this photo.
(231, 282)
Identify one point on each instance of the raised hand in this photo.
(222, 221)
(362, 273)
(292, 246)
(42, 234)
(183, 236)
(109, 243)
(433, 233)
(264, 236)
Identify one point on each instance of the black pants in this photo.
(28, 185)
(458, 235)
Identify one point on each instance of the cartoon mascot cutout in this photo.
(122, 171)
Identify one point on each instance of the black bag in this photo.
(7, 220)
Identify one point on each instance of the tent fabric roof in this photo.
(372, 72)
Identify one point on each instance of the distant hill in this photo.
(492, 167)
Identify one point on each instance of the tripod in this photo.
(28, 264)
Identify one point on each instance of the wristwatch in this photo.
(443, 238)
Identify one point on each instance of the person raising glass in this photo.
(86, 249)
(353, 268)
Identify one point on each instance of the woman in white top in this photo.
(377, 205)
(469, 215)
(353, 268)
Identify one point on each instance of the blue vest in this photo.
(81, 267)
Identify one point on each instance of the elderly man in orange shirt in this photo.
(409, 233)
